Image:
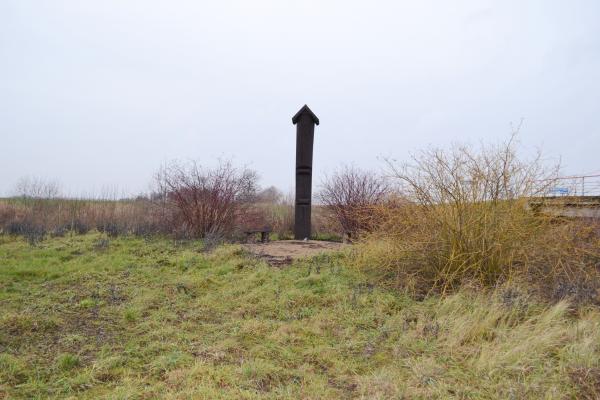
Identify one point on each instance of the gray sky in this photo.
(99, 93)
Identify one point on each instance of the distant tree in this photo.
(350, 195)
(36, 188)
(269, 195)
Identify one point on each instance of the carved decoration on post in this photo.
(305, 121)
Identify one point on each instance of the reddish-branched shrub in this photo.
(206, 200)
(350, 195)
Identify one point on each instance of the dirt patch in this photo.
(283, 252)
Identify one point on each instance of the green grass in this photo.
(151, 319)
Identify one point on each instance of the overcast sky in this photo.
(99, 94)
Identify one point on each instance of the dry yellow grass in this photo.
(464, 217)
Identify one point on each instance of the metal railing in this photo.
(583, 185)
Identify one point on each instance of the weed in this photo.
(12, 369)
(101, 244)
(66, 362)
(87, 303)
(131, 314)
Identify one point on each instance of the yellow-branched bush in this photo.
(464, 216)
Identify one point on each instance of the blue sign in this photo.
(560, 190)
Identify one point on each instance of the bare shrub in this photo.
(350, 196)
(112, 229)
(206, 199)
(40, 199)
(30, 212)
(59, 231)
(212, 240)
(32, 232)
(465, 218)
(79, 227)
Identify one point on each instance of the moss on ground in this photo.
(82, 317)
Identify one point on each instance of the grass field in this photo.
(84, 317)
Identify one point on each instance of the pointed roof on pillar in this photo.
(302, 111)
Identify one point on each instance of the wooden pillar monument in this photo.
(305, 121)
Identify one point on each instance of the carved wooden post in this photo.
(305, 121)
